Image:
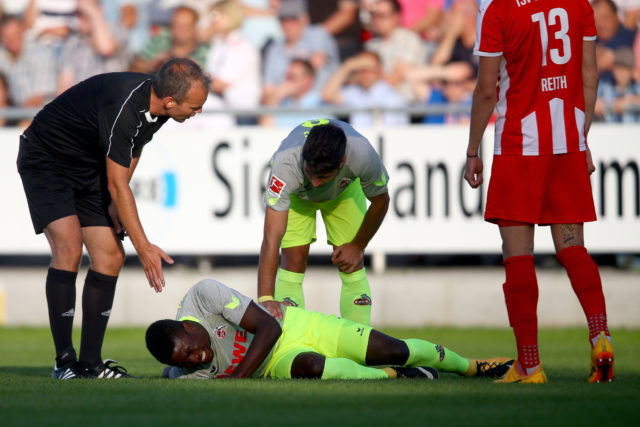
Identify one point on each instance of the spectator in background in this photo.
(450, 84)
(459, 36)
(629, 12)
(301, 40)
(233, 64)
(615, 96)
(129, 22)
(5, 101)
(88, 47)
(261, 26)
(611, 35)
(396, 46)
(359, 83)
(341, 19)
(425, 18)
(30, 68)
(180, 41)
(297, 91)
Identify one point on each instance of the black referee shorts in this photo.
(56, 189)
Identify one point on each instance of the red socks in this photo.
(521, 297)
(585, 280)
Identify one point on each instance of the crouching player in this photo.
(223, 333)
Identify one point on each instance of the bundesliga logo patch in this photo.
(276, 185)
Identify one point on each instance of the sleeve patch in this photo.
(276, 185)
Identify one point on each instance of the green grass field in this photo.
(29, 397)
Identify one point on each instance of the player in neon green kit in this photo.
(220, 332)
(323, 165)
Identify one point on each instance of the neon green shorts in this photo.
(342, 218)
(307, 331)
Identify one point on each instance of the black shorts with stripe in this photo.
(57, 188)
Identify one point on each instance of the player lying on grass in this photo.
(223, 333)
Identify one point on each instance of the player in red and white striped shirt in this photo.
(542, 55)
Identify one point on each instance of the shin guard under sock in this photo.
(355, 297)
(289, 287)
(521, 297)
(425, 353)
(585, 281)
(61, 300)
(97, 300)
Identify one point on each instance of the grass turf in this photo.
(29, 397)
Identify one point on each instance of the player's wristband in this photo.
(265, 298)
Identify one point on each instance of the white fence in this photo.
(200, 193)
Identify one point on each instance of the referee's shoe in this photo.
(68, 368)
(106, 369)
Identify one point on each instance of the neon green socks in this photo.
(289, 287)
(355, 297)
(347, 369)
(424, 353)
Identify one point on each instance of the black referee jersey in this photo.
(105, 115)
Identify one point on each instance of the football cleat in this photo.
(494, 367)
(513, 376)
(68, 367)
(424, 372)
(67, 371)
(107, 369)
(601, 361)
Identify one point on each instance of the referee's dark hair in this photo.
(324, 148)
(160, 338)
(176, 77)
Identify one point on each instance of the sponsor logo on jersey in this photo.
(345, 181)
(440, 350)
(276, 185)
(239, 351)
(220, 331)
(363, 300)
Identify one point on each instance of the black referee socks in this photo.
(97, 300)
(61, 300)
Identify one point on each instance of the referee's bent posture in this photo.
(76, 160)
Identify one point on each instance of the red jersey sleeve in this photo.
(489, 29)
(590, 32)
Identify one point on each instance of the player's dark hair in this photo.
(324, 148)
(176, 77)
(160, 338)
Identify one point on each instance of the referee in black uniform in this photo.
(76, 160)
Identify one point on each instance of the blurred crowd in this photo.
(295, 54)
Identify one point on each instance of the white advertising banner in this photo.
(200, 193)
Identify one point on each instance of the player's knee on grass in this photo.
(307, 365)
(386, 350)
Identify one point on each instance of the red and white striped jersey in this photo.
(540, 98)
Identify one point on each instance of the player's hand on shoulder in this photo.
(273, 307)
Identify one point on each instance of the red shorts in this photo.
(553, 189)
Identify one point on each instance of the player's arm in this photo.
(275, 225)
(348, 256)
(134, 162)
(590, 88)
(266, 332)
(484, 101)
(150, 255)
